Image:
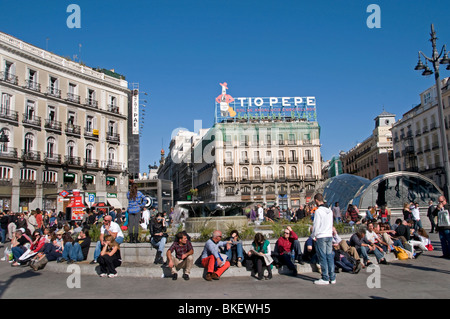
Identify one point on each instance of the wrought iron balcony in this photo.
(8, 77)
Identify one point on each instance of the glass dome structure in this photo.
(393, 189)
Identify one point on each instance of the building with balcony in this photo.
(65, 126)
(267, 162)
(417, 139)
(373, 156)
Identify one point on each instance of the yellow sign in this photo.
(95, 132)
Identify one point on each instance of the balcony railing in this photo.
(91, 163)
(111, 165)
(31, 155)
(8, 77)
(308, 160)
(72, 160)
(31, 120)
(91, 102)
(113, 108)
(52, 91)
(52, 125)
(293, 160)
(90, 133)
(113, 137)
(8, 152)
(52, 158)
(32, 85)
(73, 98)
(73, 129)
(9, 115)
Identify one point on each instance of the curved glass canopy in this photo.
(393, 189)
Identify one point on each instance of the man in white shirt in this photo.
(108, 228)
(416, 216)
(260, 213)
(322, 232)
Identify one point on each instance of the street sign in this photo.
(148, 201)
(64, 194)
(91, 198)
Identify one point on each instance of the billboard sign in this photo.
(228, 108)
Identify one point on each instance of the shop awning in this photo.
(114, 202)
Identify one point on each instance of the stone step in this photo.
(150, 270)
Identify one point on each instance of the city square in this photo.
(215, 129)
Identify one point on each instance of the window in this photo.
(51, 113)
(244, 173)
(269, 172)
(50, 177)
(281, 172)
(30, 110)
(5, 107)
(89, 153)
(309, 171)
(228, 157)
(257, 173)
(229, 173)
(70, 149)
(111, 127)
(71, 118)
(29, 142)
(27, 174)
(111, 154)
(5, 173)
(293, 172)
(308, 155)
(51, 144)
(53, 86)
(4, 145)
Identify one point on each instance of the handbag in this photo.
(400, 253)
(429, 247)
(443, 218)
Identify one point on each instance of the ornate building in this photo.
(63, 127)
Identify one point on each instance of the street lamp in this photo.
(435, 60)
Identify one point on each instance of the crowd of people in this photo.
(39, 237)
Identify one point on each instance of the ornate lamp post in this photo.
(435, 60)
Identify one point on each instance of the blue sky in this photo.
(179, 51)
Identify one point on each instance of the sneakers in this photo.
(112, 275)
(174, 276)
(322, 282)
(186, 277)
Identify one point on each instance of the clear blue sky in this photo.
(179, 51)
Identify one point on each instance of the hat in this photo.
(22, 230)
(60, 232)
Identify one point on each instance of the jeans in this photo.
(160, 244)
(3, 232)
(444, 236)
(325, 253)
(18, 251)
(72, 252)
(364, 250)
(239, 252)
(98, 247)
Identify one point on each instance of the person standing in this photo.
(337, 213)
(135, 205)
(322, 231)
(443, 225)
(260, 213)
(416, 217)
(431, 216)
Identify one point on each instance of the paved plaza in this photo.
(426, 277)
